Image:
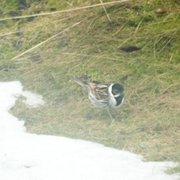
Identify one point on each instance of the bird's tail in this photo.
(82, 80)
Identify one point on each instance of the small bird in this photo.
(102, 95)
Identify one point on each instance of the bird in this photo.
(102, 95)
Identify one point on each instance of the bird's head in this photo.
(116, 90)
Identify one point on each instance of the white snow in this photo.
(25, 156)
(32, 99)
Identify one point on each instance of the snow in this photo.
(25, 156)
(32, 99)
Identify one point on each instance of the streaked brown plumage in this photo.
(100, 94)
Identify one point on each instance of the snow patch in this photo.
(32, 99)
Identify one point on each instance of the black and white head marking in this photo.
(116, 96)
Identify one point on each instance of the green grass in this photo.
(148, 123)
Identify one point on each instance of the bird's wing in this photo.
(100, 91)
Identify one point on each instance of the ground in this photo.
(148, 122)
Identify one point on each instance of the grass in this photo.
(148, 123)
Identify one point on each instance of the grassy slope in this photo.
(148, 122)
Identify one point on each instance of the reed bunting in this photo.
(100, 94)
